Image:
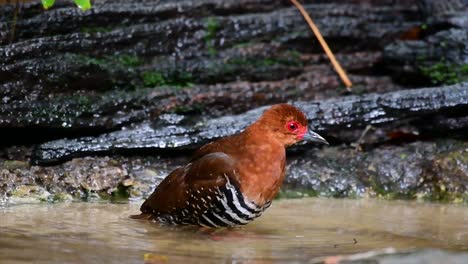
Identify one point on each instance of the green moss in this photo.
(182, 79)
(182, 109)
(386, 191)
(15, 164)
(83, 100)
(294, 54)
(129, 60)
(457, 157)
(175, 80)
(441, 194)
(30, 191)
(211, 50)
(212, 26)
(444, 73)
(295, 193)
(93, 30)
(448, 182)
(121, 193)
(60, 197)
(152, 79)
(463, 69)
(126, 64)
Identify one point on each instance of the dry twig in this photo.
(324, 44)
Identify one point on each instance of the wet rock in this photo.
(423, 170)
(444, 124)
(14, 164)
(325, 116)
(99, 180)
(84, 179)
(441, 58)
(19, 153)
(420, 170)
(448, 173)
(434, 52)
(29, 193)
(60, 197)
(434, 9)
(393, 256)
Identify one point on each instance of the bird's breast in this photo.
(261, 175)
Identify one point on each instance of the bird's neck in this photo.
(257, 134)
(262, 163)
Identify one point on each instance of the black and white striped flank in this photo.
(231, 209)
(221, 207)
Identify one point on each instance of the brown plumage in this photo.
(232, 180)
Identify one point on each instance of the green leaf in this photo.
(48, 3)
(83, 4)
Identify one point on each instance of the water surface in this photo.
(290, 231)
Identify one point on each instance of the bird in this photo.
(233, 180)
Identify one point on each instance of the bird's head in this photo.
(288, 124)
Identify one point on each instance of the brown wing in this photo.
(226, 145)
(177, 190)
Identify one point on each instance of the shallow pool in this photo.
(290, 231)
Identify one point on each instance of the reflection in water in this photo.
(291, 230)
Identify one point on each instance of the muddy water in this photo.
(290, 231)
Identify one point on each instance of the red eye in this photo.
(292, 126)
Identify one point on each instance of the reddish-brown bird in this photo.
(231, 181)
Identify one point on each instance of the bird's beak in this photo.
(314, 137)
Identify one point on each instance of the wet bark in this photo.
(434, 52)
(327, 116)
(434, 8)
(73, 71)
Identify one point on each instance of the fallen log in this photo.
(437, 9)
(324, 116)
(109, 110)
(438, 59)
(434, 52)
(42, 59)
(124, 62)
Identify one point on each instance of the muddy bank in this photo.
(420, 170)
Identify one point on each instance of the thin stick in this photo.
(324, 44)
(14, 21)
